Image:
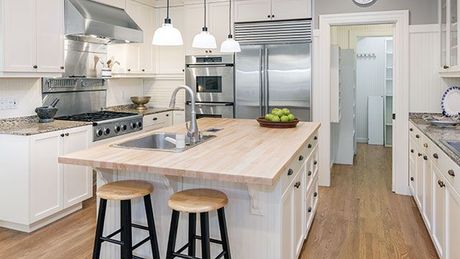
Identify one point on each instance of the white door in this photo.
(252, 10)
(218, 22)
(412, 167)
(439, 211)
(45, 175)
(19, 35)
(50, 35)
(419, 181)
(452, 224)
(78, 180)
(298, 212)
(291, 9)
(427, 192)
(287, 236)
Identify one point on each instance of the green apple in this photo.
(275, 119)
(284, 118)
(275, 110)
(286, 111)
(279, 113)
(291, 117)
(268, 116)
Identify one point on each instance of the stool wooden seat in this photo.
(193, 202)
(124, 190)
(197, 200)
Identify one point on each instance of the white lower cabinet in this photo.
(158, 120)
(433, 185)
(44, 190)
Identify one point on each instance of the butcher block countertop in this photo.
(242, 152)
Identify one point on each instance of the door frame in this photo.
(322, 90)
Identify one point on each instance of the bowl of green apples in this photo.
(278, 118)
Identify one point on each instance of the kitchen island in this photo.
(269, 175)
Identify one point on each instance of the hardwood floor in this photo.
(359, 216)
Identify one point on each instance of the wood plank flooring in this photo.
(358, 217)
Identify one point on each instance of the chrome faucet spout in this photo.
(192, 131)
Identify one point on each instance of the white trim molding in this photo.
(322, 90)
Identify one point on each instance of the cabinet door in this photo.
(453, 33)
(78, 180)
(412, 167)
(443, 27)
(116, 3)
(452, 224)
(427, 192)
(287, 237)
(298, 212)
(19, 38)
(419, 180)
(291, 9)
(439, 211)
(252, 10)
(45, 175)
(218, 22)
(50, 35)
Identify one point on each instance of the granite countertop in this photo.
(436, 134)
(150, 110)
(26, 126)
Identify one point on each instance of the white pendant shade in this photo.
(204, 40)
(230, 45)
(167, 35)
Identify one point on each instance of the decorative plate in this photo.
(278, 125)
(450, 101)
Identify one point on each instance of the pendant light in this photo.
(167, 35)
(230, 45)
(204, 39)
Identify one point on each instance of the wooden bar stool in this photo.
(195, 201)
(125, 191)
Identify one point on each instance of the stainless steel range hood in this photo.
(90, 21)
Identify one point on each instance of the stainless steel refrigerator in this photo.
(273, 75)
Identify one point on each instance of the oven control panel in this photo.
(105, 130)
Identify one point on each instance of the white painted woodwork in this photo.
(449, 53)
(115, 3)
(252, 10)
(255, 214)
(157, 121)
(147, 2)
(40, 42)
(291, 9)
(375, 122)
(336, 86)
(43, 190)
(266, 10)
(436, 193)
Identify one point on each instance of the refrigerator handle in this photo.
(266, 80)
(262, 82)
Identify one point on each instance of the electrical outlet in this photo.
(8, 103)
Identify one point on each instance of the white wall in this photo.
(27, 93)
(161, 90)
(119, 91)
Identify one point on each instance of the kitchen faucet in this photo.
(192, 130)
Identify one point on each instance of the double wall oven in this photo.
(212, 80)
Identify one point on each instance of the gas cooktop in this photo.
(96, 116)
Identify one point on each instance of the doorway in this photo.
(322, 96)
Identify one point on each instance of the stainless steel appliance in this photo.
(82, 59)
(212, 80)
(83, 100)
(273, 68)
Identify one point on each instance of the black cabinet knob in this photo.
(412, 151)
(315, 138)
(451, 173)
(411, 129)
(167, 115)
(417, 136)
(309, 209)
(419, 154)
(35, 66)
(309, 173)
(297, 185)
(268, 16)
(441, 184)
(62, 135)
(309, 146)
(445, 67)
(62, 68)
(67, 134)
(412, 179)
(315, 162)
(129, 69)
(155, 118)
(300, 158)
(273, 16)
(143, 70)
(315, 194)
(290, 172)
(425, 158)
(435, 155)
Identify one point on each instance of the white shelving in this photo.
(388, 100)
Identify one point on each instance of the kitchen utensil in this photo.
(55, 102)
(450, 101)
(46, 113)
(140, 101)
(277, 125)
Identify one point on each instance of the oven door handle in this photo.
(210, 104)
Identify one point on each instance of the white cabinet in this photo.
(262, 10)
(217, 23)
(439, 215)
(115, 3)
(336, 86)
(38, 48)
(449, 27)
(452, 224)
(157, 121)
(44, 190)
(287, 224)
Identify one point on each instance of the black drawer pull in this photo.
(309, 209)
(417, 136)
(62, 135)
(315, 138)
(309, 173)
(419, 154)
(412, 151)
(297, 185)
(300, 158)
(309, 146)
(315, 194)
(411, 129)
(167, 115)
(451, 173)
(441, 184)
(412, 179)
(425, 157)
(155, 119)
(290, 172)
(315, 162)
(435, 155)
(67, 134)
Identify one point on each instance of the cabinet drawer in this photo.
(158, 120)
(312, 142)
(296, 165)
(449, 169)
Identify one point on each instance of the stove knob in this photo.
(99, 132)
(139, 124)
(117, 129)
(133, 125)
(124, 127)
(106, 131)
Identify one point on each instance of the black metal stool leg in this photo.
(205, 241)
(126, 231)
(172, 234)
(191, 234)
(224, 233)
(151, 225)
(99, 229)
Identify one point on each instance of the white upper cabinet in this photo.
(449, 38)
(115, 3)
(263, 10)
(32, 35)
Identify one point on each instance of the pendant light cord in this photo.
(205, 28)
(230, 18)
(167, 19)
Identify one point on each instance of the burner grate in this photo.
(96, 116)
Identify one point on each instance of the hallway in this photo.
(359, 216)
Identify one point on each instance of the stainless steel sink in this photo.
(158, 142)
(453, 145)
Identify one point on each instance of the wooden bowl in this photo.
(277, 125)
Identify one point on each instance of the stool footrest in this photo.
(178, 252)
(139, 226)
(114, 233)
(212, 240)
(141, 242)
(106, 239)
